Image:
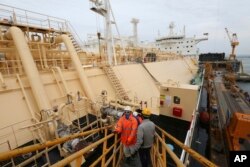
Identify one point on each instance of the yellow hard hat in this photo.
(146, 112)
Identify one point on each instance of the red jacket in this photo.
(128, 130)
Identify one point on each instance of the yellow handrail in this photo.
(81, 152)
(170, 152)
(13, 153)
(158, 156)
(202, 160)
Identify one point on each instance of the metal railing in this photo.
(17, 16)
(190, 133)
(14, 135)
(164, 135)
(159, 151)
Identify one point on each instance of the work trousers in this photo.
(132, 161)
(145, 157)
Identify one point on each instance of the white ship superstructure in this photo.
(179, 43)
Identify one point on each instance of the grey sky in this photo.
(198, 16)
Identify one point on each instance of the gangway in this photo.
(112, 154)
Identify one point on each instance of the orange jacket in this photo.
(128, 130)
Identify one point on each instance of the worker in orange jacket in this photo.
(127, 127)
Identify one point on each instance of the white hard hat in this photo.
(127, 108)
(135, 113)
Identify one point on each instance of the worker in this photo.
(138, 116)
(127, 126)
(145, 139)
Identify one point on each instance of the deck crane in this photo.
(234, 42)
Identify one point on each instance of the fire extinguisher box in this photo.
(177, 111)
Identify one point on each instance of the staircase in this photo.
(75, 43)
(120, 91)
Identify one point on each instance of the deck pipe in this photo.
(27, 149)
(77, 63)
(29, 66)
(63, 80)
(111, 112)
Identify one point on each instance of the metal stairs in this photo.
(75, 43)
(120, 91)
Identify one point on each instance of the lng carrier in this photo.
(60, 102)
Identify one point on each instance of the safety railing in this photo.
(10, 67)
(104, 159)
(161, 149)
(159, 153)
(76, 36)
(14, 135)
(11, 162)
(190, 133)
(17, 16)
(110, 153)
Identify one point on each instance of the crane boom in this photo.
(228, 35)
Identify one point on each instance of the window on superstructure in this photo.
(177, 47)
(188, 50)
(187, 41)
(191, 46)
(170, 48)
(187, 46)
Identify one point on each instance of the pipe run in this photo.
(23, 150)
(76, 61)
(111, 112)
(30, 67)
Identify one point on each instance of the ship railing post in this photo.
(164, 151)
(120, 155)
(114, 151)
(7, 67)
(47, 156)
(14, 135)
(48, 22)
(157, 151)
(12, 160)
(57, 136)
(14, 17)
(104, 147)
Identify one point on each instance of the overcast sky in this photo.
(199, 16)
